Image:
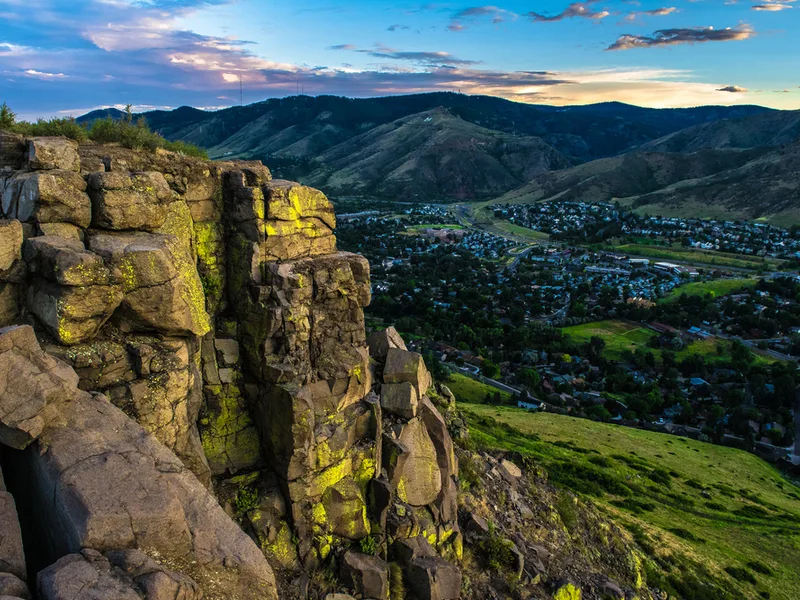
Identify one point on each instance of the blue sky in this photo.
(61, 57)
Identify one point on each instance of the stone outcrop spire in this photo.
(198, 330)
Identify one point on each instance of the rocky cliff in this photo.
(188, 398)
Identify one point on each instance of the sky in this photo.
(66, 57)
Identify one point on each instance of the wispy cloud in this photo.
(734, 89)
(44, 75)
(671, 37)
(656, 12)
(575, 10)
(473, 14)
(396, 27)
(424, 58)
(772, 6)
(342, 47)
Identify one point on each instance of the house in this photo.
(530, 404)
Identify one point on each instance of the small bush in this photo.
(126, 132)
(246, 499)
(759, 567)
(67, 127)
(660, 476)
(496, 550)
(369, 545)
(685, 534)
(753, 512)
(565, 506)
(469, 473)
(740, 574)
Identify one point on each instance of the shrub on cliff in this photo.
(137, 135)
(126, 132)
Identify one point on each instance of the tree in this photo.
(7, 117)
(490, 369)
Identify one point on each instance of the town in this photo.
(580, 327)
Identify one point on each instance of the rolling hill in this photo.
(433, 155)
(738, 161)
(754, 183)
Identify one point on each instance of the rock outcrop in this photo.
(184, 336)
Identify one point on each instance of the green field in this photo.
(472, 391)
(708, 349)
(718, 287)
(531, 234)
(619, 336)
(704, 257)
(717, 523)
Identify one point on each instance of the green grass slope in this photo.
(717, 523)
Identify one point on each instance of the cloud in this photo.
(43, 75)
(475, 13)
(656, 12)
(734, 89)
(671, 37)
(772, 7)
(425, 58)
(576, 9)
(396, 27)
(342, 47)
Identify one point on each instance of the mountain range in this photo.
(737, 161)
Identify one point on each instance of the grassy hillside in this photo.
(761, 182)
(430, 156)
(717, 523)
(469, 390)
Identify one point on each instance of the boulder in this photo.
(346, 510)
(416, 476)
(289, 201)
(10, 303)
(62, 230)
(229, 349)
(402, 365)
(399, 399)
(65, 261)
(366, 575)
(433, 578)
(72, 314)
(12, 150)
(12, 555)
(129, 201)
(162, 289)
(611, 589)
(510, 472)
(427, 575)
(10, 243)
(29, 379)
(380, 342)
(132, 575)
(105, 483)
(46, 153)
(54, 197)
(13, 588)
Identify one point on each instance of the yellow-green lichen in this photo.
(568, 592)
